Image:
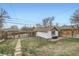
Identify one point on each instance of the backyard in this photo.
(8, 47)
(43, 47)
(35, 46)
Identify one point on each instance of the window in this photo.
(53, 32)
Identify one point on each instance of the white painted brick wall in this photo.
(44, 34)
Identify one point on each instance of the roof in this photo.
(10, 29)
(69, 27)
(45, 29)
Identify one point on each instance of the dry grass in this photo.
(7, 47)
(66, 47)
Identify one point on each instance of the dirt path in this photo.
(18, 51)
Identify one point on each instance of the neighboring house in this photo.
(47, 32)
(10, 33)
(69, 31)
(63, 31)
(44, 32)
(13, 33)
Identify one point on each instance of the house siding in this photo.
(44, 34)
(69, 33)
(47, 35)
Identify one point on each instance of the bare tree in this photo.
(3, 16)
(23, 28)
(38, 25)
(75, 18)
(57, 25)
(14, 27)
(47, 22)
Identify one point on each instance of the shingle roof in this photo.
(69, 27)
(9, 29)
(45, 29)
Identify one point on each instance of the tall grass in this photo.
(43, 47)
(29, 45)
(7, 47)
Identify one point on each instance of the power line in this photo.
(14, 18)
(10, 21)
(27, 25)
(22, 19)
(67, 10)
(15, 23)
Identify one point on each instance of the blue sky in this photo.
(31, 14)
